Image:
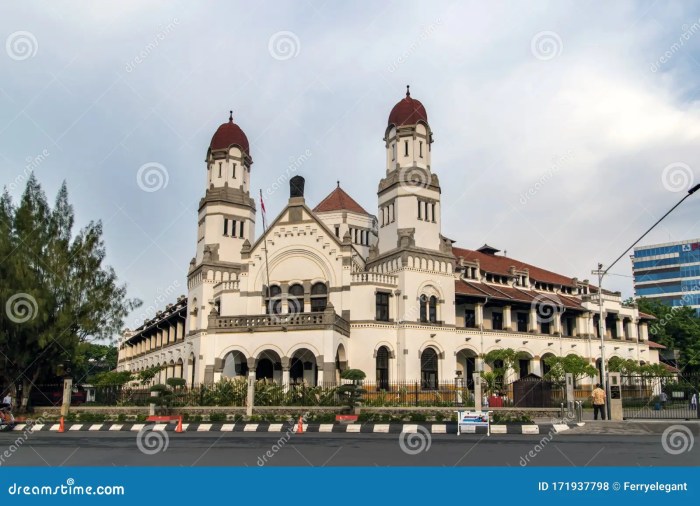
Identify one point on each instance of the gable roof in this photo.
(501, 265)
(338, 200)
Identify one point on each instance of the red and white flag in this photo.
(262, 208)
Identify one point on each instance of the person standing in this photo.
(598, 402)
(694, 402)
(663, 398)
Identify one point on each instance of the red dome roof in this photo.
(230, 134)
(408, 111)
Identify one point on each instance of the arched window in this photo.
(432, 309)
(273, 301)
(429, 369)
(423, 308)
(296, 299)
(319, 297)
(383, 368)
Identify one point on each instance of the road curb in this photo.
(356, 428)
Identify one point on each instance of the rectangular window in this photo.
(469, 318)
(225, 226)
(382, 306)
(393, 152)
(405, 148)
(241, 229)
(233, 228)
(497, 321)
(433, 211)
(233, 174)
(337, 230)
(420, 210)
(522, 322)
(219, 169)
(544, 327)
(420, 149)
(393, 217)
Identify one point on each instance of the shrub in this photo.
(217, 417)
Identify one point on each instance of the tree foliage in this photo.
(677, 328)
(570, 364)
(56, 292)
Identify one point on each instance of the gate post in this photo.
(477, 391)
(615, 399)
(569, 395)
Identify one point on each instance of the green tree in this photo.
(677, 328)
(56, 291)
(352, 392)
(573, 364)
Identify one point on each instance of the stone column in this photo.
(329, 372)
(620, 327)
(634, 335)
(643, 332)
(536, 363)
(285, 378)
(532, 321)
(555, 327)
(319, 370)
(478, 314)
(507, 320)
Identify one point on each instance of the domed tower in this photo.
(409, 194)
(226, 218)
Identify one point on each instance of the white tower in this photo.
(409, 195)
(226, 220)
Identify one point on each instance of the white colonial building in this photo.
(333, 287)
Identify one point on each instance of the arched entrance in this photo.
(466, 365)
(341, 362)
(303, 368)
(429, 369)
(269, 366)
(235, 365)
(544, 366)
(382, 368)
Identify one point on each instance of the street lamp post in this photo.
(601, 273)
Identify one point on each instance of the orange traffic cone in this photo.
(300, 428)
(179, 425)
(61, 427)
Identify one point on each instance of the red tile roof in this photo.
(501, 265)
(509, 293)
(669, 367)
(338, 200)
(645, 316)
(652, 344)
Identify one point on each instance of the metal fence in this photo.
(661, 397)
(527, 392)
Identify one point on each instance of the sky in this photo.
(562, 130)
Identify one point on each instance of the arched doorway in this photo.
(544, 366)
(191, 364)
(466, 365)
(269, 366)
(382, 368)
(341, 362)
(429, 369)
(303, 368)
(235, 365)
(524, 364)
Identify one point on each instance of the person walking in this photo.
(694, 402)
(598, 402)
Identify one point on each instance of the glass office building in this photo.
(669, 272)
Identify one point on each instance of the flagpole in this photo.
(267, 265)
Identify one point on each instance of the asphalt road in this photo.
(318, 449)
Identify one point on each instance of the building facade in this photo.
(333, 286)
(669, 273)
